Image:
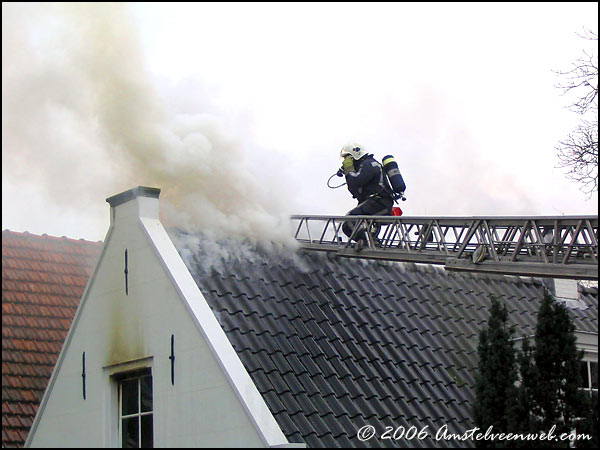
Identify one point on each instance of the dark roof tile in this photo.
(364, 341)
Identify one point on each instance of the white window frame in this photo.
(112, 415)
(588, 383)
(586, 342)
(137, 375)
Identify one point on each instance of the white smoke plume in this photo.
(77, 100)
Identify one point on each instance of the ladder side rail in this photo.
(593, 239)
(563, 234)
(481, 237)
(589, 246)
(519, 242)
(305, 225)
(541, 247)
(368, 227)
(584, 243)
(441, 237)
(335, 232)
(493, 228)
(407, 228)
(572, 243)
(547, 240)
(488, 235)
(325, 230)
(388, 235)
(404, 230)
(431, 242)
(555, 235)
(507, 240)
(338, 237)
(450, 238)
(471, 231)
(457, 238)
(421, 242)
(529, 240)
(434, 238)
(298, 228)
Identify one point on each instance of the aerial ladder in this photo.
(544, 246)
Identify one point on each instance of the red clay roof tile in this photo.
(43, 279)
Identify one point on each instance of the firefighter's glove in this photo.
(348, 164)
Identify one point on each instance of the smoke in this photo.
(450, 171)
(83, 120)
(205, 256)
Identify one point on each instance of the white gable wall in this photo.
(213, 401)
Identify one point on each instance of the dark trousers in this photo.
(373, 206)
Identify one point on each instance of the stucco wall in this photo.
(119, 331)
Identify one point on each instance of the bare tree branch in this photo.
(578, 152)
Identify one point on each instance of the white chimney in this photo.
(137, 202)
(567, 291)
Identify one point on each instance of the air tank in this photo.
(393, 173)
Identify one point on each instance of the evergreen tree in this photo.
(558, 396)
(550, 376)
(495, 382)
(544, 395)
(521, 417)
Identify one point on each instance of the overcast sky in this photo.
(237, 111)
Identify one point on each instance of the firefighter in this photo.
(368, 184)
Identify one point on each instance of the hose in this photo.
(334, 187)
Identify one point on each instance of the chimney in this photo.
(137, 202)
(567, 291)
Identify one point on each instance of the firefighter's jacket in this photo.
(368, 179)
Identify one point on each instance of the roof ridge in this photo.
(27, 234)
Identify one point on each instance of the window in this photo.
(135, 409)
(589, 376)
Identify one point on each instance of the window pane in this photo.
(594, 366)
(129, 396)
(147, 432)
(146, 393)
(585, 383)
(130, 432)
